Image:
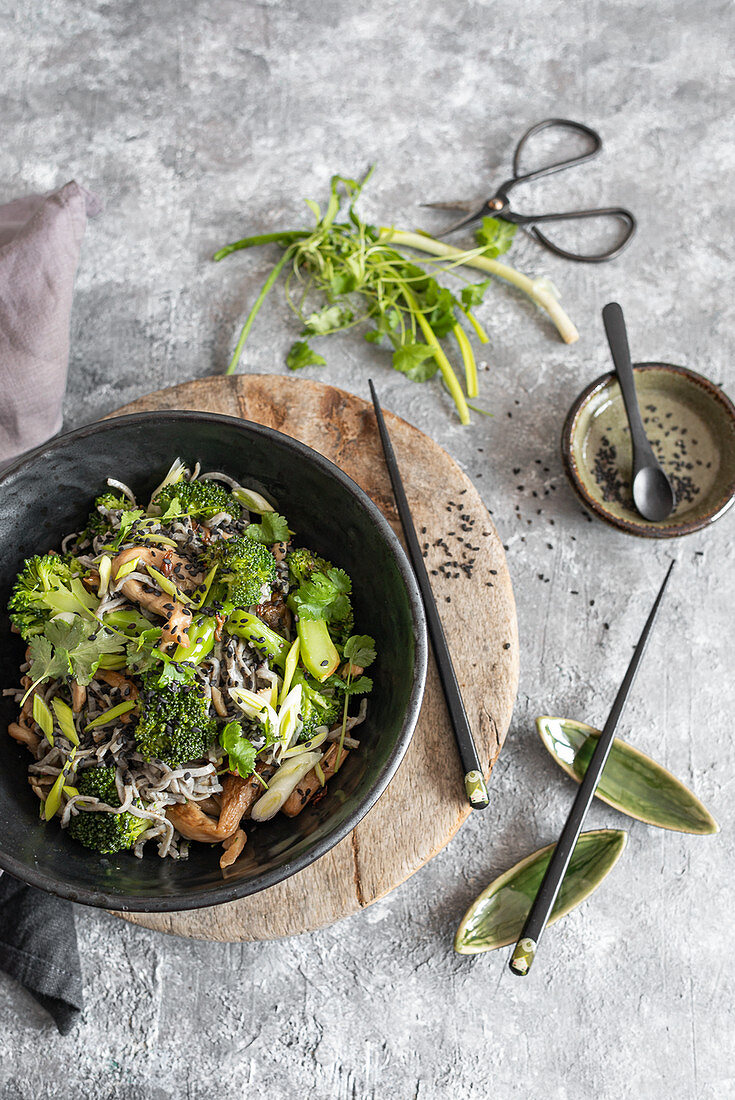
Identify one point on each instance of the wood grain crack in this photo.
(356, 873)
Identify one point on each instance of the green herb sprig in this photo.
(344, 273)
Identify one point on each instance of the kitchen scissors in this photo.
(498, 206)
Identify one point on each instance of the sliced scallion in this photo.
(109, 715)
(65, 718)
(44, 718)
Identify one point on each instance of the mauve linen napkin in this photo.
(40, 239)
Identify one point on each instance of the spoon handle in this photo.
(617, 338)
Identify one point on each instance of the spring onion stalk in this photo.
(109, 715)
(288, 669)
(44, 718)
(105, 567)
(283, 784)
(288, 716)
(253, 501)
(256, 708)
(65, 718)
(126, 568)
(167, 586)
(307, 746)
(175, 473)
(53, 800)
(468, 357)
(536, 289)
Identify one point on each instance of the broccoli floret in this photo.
(97, 522)
(33, 598)
(245, 566)
(318, 708)
(174, 725)
(201, 499)
(302, 563)
(98, 829)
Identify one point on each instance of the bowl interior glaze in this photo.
(690, 423)
(49, 493)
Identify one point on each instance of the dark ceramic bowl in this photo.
(690, 423)
(48, 494)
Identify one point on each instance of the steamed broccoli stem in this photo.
(318, 651)
(98, 829)
(248, 626)
(201, 639)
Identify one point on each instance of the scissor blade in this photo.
(462, 204)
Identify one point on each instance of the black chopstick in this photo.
(474, 780)
(525, 950)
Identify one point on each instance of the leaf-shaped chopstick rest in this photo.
(496, 917)
(631, 782)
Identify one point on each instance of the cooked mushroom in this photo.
(192, 822)
(310, 784)
(176, 617)
(233, 847)
(124, 685)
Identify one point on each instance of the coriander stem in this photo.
(444, 365)
(254, 311)
(468, 357)
(287, 235)
(534, 288)
(482, 336)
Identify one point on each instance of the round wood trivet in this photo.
(425, 804)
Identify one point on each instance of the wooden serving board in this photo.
(424, 805)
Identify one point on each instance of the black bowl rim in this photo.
(233, 891)
(642, 528)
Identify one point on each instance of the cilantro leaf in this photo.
(301, 355)
(416, 361)
(68, 649)
(45, 664)
(496, 235)
(473, 294)
(360, 650)
(329, 319)
(361, 686)
(241, 752)
(323, 596)
(272, 528)
(174, 509)
(127, 519)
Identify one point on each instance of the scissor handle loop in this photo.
(604, 212)
(557, 166)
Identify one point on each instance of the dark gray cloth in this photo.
(38, 948)
(40, 239)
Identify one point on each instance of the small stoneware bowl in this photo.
(691, 426)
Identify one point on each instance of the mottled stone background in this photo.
(197, 122)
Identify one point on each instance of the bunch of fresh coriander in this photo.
(341, 274)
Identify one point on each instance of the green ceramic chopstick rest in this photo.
(631, 782)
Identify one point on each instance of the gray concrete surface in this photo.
(199, 121)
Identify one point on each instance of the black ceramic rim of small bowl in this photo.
(643, 529)
(233, 891)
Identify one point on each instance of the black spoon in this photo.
(653, 495)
